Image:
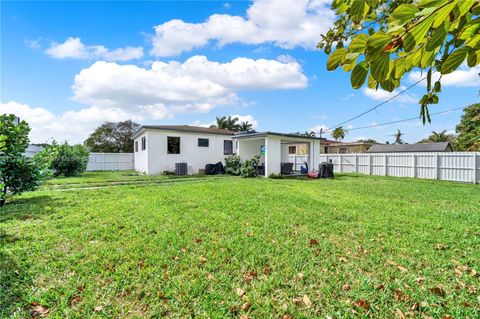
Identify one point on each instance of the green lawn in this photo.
(352, 247)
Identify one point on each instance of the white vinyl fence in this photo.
(110, 162)
(450, 166)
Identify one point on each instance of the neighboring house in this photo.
(33, 149)
(334, 147)
(410, 148)
(157, 148)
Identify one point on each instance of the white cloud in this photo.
(318, 128)
(71, 126)
(382, 95)
(197, 85)
(75, 49)
(463, 77)
(286, 24)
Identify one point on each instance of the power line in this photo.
(376, 106)
(404, 120)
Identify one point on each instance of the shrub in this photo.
(18, 173)
(233, 165)
(45, 158)
(71, 160)
(249, 167)
(276, 176)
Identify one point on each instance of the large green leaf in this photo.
(409, 42)
(359, 74)
(420, 30)
(437, 38)
(473, 58)
(403, 13)
(377, 42)
(427, 58)
(468, 31)
(380, 66)
(454, 60)
(359, 43)
(357, 10)
(463, 6)
(442, 14)
(335, 59)
(389, 85)
(399, 68)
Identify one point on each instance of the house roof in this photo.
(420, 147)
(335, 143)
(242, 135)
(183, 128)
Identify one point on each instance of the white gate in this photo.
(110, 162)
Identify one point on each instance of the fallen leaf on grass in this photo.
(392, 263)
(246, 306)
(362, 303)
(400, 314)
(37, 310)
(249, 234)
(184, 250)
(299, 276)
(380, 286)
(202, 259)
(438, 291)
(458, 272)
(313, 242)
(346, 287)
(198, 240)
(243, 317)
(287, 317)
(250, 276)
(343, 259)
(240, 292)
(400, 296)
(98, 308)
(267, 270)
(306, 301)
(473, 272)
(74, 301)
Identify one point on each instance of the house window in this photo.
(173, 145)
(227, 147)
(203, 142)
(342, 150)
(136, 146)
(292, 150)
(325, 149)
(144, 143)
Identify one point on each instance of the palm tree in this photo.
(309, 134)
(398, 137)
(439, 137)
(227, 123)
(339, 133)
(245, 126)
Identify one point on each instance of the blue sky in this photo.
(67, 67)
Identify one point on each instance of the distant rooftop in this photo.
(184, 128)
(241, 135)
(420, 147)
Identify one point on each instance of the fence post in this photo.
(414, 166)
(436, 166)
(475, 171)
(356, 163)
(370, 164)
(385, 173)
(340, 161)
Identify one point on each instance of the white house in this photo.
(157, 148)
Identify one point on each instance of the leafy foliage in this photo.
(233, 165)
(231, 123)
(45, 158)
(17, 172)
(112, 137)
(469, 129)
(249, 167)
(389, 38)
(368, 140)
(70, 160)
(339, 133)
(442, 136)
(398, 137)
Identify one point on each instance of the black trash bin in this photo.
(325, 170)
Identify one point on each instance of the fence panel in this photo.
(110, 162)
(450, 166)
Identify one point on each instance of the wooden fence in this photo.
(451, 166)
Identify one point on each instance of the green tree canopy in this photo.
(231, 123)
(442, 136)
(387, 38)
(112, 137)
(469, 129)
(339, 133)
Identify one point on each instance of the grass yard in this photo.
(147, 247)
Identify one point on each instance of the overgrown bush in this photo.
(71, 160)
(249, 167)
(276, 176)
(18, 173)
(233, 165)
(45, 158)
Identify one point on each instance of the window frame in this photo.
(136, 146)
(203, 140)
(342, 150)
(144, 143)
(292, 147)
(168, 145)
(225, 149)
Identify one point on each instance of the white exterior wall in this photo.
(156, 160)
(110, 162)
(451, 166)
(141, 157)
(249, 148)
(273, 154)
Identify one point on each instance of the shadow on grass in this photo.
(27, 208)
(13, 280)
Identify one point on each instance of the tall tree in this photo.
(309, 134)
(387, 38)
(339, 133)
(245, 126)
(398, 137)
(469, 129)
(112, 137)
(436, 137)
(368, 140)
(227, 123)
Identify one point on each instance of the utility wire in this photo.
(376, 106)
(404, 120)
